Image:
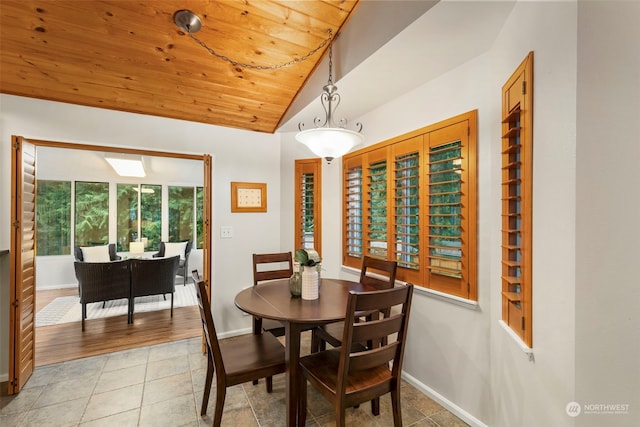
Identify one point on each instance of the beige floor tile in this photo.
(119, 378)
(65, 390)
(61, 414)
(179, 411)
(113, 402)
(167, 367)
(127, 359)
(168, 351)
(123, 419)
(163, 386)
(20, 402)
(167, 388)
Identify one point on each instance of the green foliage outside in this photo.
(53, 216)
(445, 188)
(92, 213)
(199, 217)
(407, 211)
(150, 197)
(378, 209)
(181, 214)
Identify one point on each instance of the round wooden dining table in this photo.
(272, 300)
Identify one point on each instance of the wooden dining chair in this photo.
(350, 375)
(270, 267)
(236, 361)
(385, 278)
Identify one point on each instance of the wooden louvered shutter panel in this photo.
(406, 209)
(352, 250)
(377, 204)
(308, 199)
(517, 177)
(448, 206)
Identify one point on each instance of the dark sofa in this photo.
(102, 281)
(131, 278)
(154, 276)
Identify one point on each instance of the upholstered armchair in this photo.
(101, 281)
(152, 277)
(94, 250)
(183, 249)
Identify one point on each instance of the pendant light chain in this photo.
(330, 59)
(264, 67)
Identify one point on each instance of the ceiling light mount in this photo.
(330, 140)
(190, 23)
(187, 21)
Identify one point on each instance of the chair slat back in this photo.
(378, 332)
(260, 260)
(381, 267)
(213, 346)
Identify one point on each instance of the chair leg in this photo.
(395, 406)
(164, 296)
(103, 303)
(375, 406)
(269, 381)
(207, 384)
(302, 408)
(172, 304)
(84, 314)
(221, 393)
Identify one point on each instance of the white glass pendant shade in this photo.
(330, 143)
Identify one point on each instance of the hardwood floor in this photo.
(67, 341)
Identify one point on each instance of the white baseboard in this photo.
(51, 287)
(449, 405)
(4, 378)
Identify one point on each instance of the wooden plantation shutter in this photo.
(352, 212)
(451, 210)
(413, 199)
(23, 271)
(517, 176)
(308, 198)
(377, 220)
(406, 209)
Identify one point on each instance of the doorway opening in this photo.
(66, 341)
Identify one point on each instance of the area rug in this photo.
(68, 309)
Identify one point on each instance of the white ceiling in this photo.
(438, 37)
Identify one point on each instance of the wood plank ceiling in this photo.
(130, 55)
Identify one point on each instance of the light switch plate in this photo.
(226, 232)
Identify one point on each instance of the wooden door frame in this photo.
(207, 212)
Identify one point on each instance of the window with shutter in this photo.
(420, 205)
(406, 208)
(308, 224)
(377, 209)
(517, 163)
(353, 198)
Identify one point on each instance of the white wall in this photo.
(607, 213)
(461, 355)
(56, 164)
(237, 156)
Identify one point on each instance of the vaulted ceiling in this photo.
(131, 56)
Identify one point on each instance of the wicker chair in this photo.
(112, 253)
(102, 281)
(152, 277)
(183, 266)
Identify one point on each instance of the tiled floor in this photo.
(162, 386)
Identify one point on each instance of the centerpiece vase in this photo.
(310, 280)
